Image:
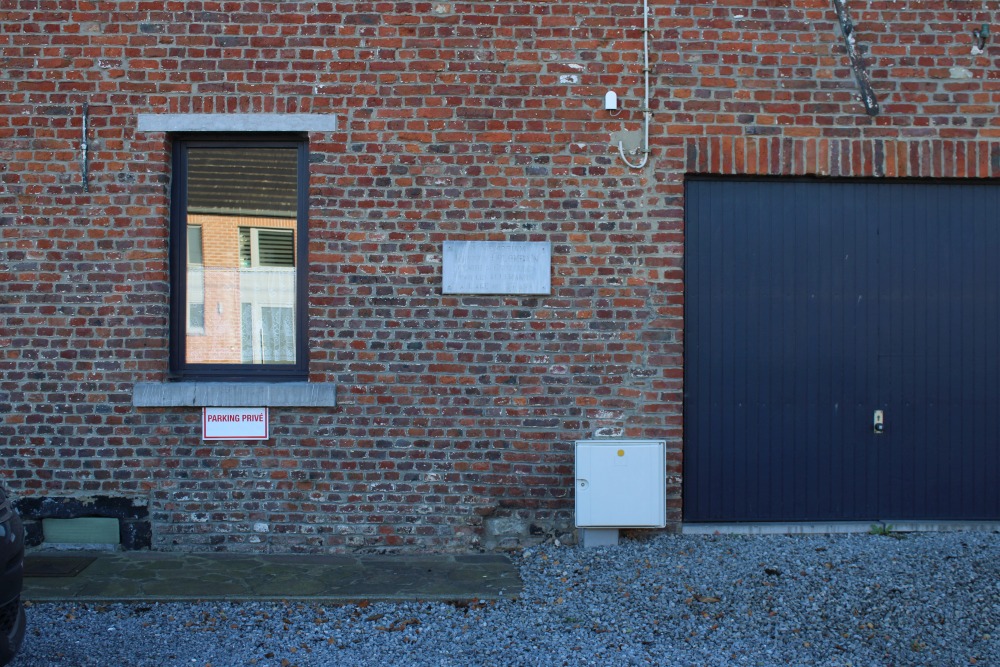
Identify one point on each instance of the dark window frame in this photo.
(179, 369)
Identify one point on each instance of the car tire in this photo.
(10, 642)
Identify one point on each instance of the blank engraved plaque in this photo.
(497, 267)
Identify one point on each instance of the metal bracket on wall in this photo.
(83, 149)
(857, 63)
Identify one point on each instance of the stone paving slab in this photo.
(167, 577)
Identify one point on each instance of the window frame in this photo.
(179, 369)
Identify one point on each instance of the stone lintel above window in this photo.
(237, 122)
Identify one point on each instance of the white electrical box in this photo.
(621, 484)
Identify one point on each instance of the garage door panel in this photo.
(811, 304)
(778, 295)
(939, 353)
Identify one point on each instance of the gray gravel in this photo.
(928, 599)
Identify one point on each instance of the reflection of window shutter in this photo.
(275, 248)
(266, 247)
(246, 258)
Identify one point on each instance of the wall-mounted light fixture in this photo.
(611, 103)
(982, 36)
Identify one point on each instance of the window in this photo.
(195, 282)
(238, 239)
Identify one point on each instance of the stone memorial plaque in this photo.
(497, 267)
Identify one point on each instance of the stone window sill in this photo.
(234, 395)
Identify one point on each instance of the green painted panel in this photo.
(84, 530)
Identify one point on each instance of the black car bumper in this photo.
(11, 559)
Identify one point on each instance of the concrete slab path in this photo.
(162, 577)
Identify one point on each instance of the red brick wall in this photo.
(461, 120)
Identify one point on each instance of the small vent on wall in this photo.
(81, 531)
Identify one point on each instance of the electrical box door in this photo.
(621, 483)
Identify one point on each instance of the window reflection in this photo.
(241, 271)
(195, 282)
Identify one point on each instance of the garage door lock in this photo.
(878, 423)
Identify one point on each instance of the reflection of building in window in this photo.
(196, 281)
(241, 280)
(248, 281)
(267, 295)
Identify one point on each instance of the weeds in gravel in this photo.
(885, 530)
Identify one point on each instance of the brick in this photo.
(455, 126)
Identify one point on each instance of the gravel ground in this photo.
(928, 599)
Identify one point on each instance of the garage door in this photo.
(815, 308)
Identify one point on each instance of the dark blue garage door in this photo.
(810, 306)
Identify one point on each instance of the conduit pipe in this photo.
(646, 111)
(83, 149)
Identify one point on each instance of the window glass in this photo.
(240, 206)
(194, 245)
(195, 282)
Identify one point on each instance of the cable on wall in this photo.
(857, 62)
(646, 111)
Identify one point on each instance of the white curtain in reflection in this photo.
(249, 316)
(267, 298)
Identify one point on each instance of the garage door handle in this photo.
(878, 423)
